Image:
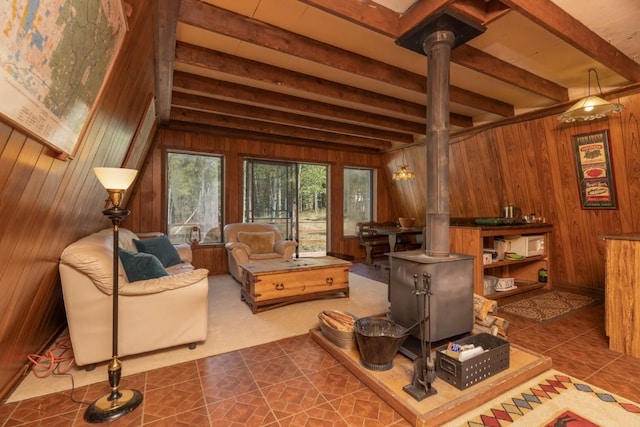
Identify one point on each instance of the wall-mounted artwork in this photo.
(595, 174)
(54, 60)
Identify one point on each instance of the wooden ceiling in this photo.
(328, 72)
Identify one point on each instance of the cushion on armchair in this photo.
(141, 266)
(162, 248)
(260, 242)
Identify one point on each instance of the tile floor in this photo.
(294, 382)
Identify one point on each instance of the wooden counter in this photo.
(622, 292)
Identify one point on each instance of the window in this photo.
(358, 198)
(292, 196)
(194, 198)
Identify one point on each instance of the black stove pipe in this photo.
(437, 46)
(436, 37)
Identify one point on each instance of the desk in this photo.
(395, 233)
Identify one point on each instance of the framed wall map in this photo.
(54, 59)
(595, 174)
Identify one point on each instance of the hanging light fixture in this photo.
(403, 173)
(592, 107)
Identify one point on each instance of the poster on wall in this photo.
(54, 58)
(595, 174)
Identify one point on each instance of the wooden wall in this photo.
(532, 165)
(46, 203)
(148, 202)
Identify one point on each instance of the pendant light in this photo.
(403, 173)
(592, 107)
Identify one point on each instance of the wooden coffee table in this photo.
(272, 284)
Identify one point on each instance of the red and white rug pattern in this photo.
(554, 399)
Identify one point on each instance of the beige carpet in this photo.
(232, 326)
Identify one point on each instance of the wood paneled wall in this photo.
(148, 202)
(532, 165)
(46, 203)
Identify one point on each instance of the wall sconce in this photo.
(592, 107)
(118, 402)
(403, 173)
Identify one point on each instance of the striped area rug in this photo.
(549, 306)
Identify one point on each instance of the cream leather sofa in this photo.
(153, 313)
(252, 242)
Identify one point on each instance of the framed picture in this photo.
(55, 58)
(595, 173)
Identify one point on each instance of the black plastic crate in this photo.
(471, 371)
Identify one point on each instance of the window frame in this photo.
(372, 198)
(221, 190)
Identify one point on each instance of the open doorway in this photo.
(292, 196)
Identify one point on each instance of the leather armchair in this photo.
(252, 242)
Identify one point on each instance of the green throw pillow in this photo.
(162, 248)
(141, 266)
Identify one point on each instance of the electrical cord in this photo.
(73, 387)
(56, 361)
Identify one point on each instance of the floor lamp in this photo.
(118, 402)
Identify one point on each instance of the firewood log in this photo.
(488, 321)
(503, 325)
(483, 306)
(493, 330)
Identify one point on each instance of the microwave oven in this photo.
(526, 246)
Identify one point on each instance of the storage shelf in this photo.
(514, 261)
(523, 286)
(471, 240)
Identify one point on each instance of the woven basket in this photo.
(342, 339)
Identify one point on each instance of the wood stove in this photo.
(451, 301)
(450, 275)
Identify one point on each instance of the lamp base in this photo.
(104, 410)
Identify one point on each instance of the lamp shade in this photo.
(590, 108)
(403, 174)
(115, 178)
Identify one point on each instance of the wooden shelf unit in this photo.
(473, 239)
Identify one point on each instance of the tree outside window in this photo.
(358, 198)
(194, 198)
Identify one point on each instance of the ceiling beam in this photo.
(558, 22)
(200, 117)
(211, 18)
(481, 11)
(364, 13)
(477, 60)
(166, 20)
(188, 101)
(259, 138)
(368, 16)
(185, 82)
(222, 21)
(282, 78)
(420, 11)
